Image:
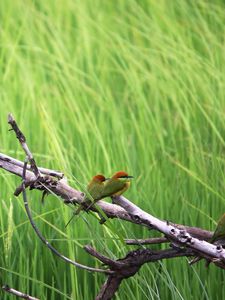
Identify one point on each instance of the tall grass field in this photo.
(101, 86)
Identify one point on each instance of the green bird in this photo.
(219, 233)
(101, 187)
(217, 238)
(117, 184)
(94, 190)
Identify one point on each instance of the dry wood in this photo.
(184, 240)
(14, 292)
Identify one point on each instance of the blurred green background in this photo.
(100, 86)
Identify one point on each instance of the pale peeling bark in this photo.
(184, 240)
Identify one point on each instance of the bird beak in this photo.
(130, 176)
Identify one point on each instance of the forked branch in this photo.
(184, 240)
(38, 175)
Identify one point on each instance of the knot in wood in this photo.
(219, 248)
(184, 237)
(136, 217)
(126, 271)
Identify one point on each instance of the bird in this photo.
(101, 187)
(117, 184)
(219, 233)
(217, 238)
(94, 193)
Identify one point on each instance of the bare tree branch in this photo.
(202, 235)
(130, 265)
(179, 236)
(19, 163)
(14, 292)
(151, 241)
(22, 140)
(62, 189)
(59, 187)
(184, 240)
(71, 195)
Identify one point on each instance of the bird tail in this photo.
(70, 220)
(74, 214)
(78, 210)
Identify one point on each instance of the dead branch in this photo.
(151, 241)
(38, 175)
(19, 163)
(179, 237)
(184, 240)
(130, 265)
(71, 195)
(23, 143)
(203, 235)
(14, 292)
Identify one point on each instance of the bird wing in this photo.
(220, 230)
(112, 186)
(95, 191)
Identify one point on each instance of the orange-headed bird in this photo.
(95, 188)
(101, 187)
(117, 184)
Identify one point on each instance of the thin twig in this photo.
(44, 241)
(104, 259)
(20, 136)
(151, 241)
(43, 171)
(180, 237)
(14, 292)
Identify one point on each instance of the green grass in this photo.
(100, 86)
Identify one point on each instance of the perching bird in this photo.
(217, 238)
(117, 184)
(94, 189)
(219, 233)
(100, 188)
